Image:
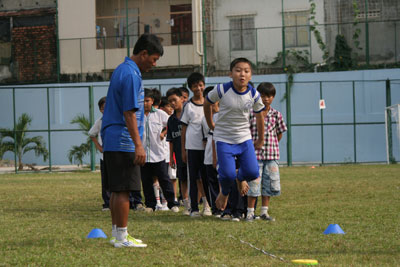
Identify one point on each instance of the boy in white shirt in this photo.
(232, 129)
(155, 166)
(192, 142)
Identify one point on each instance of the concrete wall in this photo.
(269, 41)
(338, 140)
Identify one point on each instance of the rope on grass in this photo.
(259, 249)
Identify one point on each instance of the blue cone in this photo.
(334, 229)
(96, 233)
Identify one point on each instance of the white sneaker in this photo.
(195, 214)
(207, 211)
(186, 211)
(113, 239)
(175, 209)
(165, 207)
(159, 207)
(129, 242)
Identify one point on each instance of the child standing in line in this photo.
(174, 129)
(232, 129)
(192, 142)
(166, 107)
(94, 134)
(210, 158)
(185, 94)
(155, 122)
(267, 156)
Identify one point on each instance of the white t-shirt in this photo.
(154, 123)
(208, 158)
(192, 115)
(232, 125)
(95, 132)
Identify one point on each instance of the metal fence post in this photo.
(91, 118)
(389, 122)
(127, 28)
(80, 53)
(354, 123)
(322, 125)
(283, 38)
(289, 125)
(48, 127)
(366, 34)
(15, 133)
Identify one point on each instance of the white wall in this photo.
(269, 41)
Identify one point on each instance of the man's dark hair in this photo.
(208, 89)
(101, 102)
(174, 91)
(148, 93)
(163, 102)
(150, 43)
(267, 89)
(184, 90)
(240, 60)
(195, 77)
(156, 96)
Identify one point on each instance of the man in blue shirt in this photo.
(122, 129)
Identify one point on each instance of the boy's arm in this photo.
(208, 114)
(171, 155)
(258, 144)
(97, 144)
(214, 155)
(183, 142)
(131, 124)
(279, 136)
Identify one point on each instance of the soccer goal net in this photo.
(392, 119)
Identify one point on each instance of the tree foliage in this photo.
(20, 143)
(77, 153)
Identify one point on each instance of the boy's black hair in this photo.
(156, 96)
(208, 89)
(267, 89)
(163, 102)
(240, 60)
(101, 102)
(174, 91)
(184, 89)
(195, 77)
(150, 43)
(148, 93)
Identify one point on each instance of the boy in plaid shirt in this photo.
(267, 156)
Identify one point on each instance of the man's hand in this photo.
(140, 156)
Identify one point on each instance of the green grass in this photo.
(44, 220)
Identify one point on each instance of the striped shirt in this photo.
(273, 126)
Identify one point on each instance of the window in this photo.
(181, 24)
(242, 33)
(296, 29)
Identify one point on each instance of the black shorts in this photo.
(121, 174)
(181, 172)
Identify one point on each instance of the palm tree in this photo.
(77, 153)
(22, 144)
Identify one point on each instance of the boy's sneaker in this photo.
(226, 217)
(186, 211)
(266, 217)
(159, 207)
(140, 207)
(105, 209)
(195, 214)
(165, 207)
(129, 242)
(174, 209)
(207, 211)
(235, 218)
(251, 218)
(217, 214)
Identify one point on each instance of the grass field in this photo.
(45, 218)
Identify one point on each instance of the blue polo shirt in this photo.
(124, 93)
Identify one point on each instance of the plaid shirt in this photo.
(273, 126)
